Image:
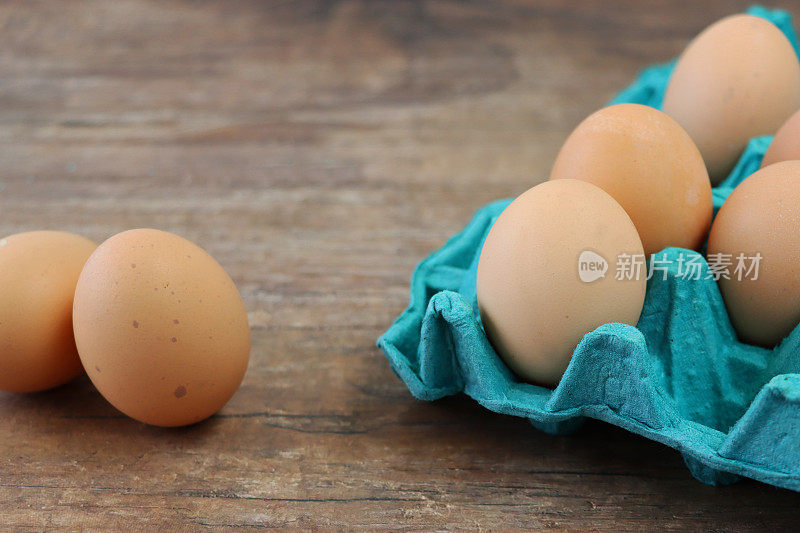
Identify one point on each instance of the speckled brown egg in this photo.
(786, 144)
(761, 217)
(547, 275)
(160, 328)
(739, 78)
(38, 273)
(647, 163)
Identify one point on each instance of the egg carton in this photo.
(680, 377)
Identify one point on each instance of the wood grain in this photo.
(319, 150)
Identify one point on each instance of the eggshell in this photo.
(762, 215)
(160, 327)
(38, 273)
(533, 303)
(647, 163)
(786, 144)
(739, 78)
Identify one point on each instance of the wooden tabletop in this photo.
(319, 150)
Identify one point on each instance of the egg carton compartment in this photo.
(680, 377)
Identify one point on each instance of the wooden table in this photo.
(319, 150)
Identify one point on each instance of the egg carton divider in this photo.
(680, 377)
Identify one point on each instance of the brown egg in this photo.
(547, 275)
(161, 329)
(786, 144)
(38, 273)
(647, 163)
(761, 216)
(738, 79)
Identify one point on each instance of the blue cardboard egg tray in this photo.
(680, 377)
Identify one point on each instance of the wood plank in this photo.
(319, 150)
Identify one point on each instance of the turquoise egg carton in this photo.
(680, 377)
